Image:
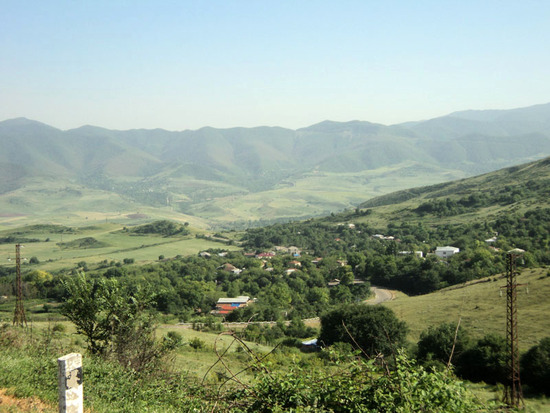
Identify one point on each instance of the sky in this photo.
(182, 64)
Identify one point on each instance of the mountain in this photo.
(240, 175)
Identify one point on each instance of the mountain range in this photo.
(243, 175)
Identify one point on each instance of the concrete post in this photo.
(71, 396)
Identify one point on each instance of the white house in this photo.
(445, 252)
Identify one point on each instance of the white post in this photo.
(71, 396)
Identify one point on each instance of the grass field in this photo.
(211, 203)
(316, 194)
(482, 308)
(117, 245)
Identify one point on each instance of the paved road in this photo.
(380, 295)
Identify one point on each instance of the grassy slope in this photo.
(482, 308)
(320, 193)
(399, 205)
(302, 196)
(120, 245)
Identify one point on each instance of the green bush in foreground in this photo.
(361, 386)
(28, 368)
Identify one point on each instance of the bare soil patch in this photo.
(30, 404)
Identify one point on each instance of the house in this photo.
(445, 252)
(294, 251)
(230, 268)
(295, 264)
(205, 254)
(229, 304)
(385, 237)
(419, 254)
(265, 255)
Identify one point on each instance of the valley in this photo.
(297, 246)
(242, 177)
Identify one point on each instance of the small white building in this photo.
(445, 252)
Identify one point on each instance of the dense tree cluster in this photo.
(390, 261)
(163, 227)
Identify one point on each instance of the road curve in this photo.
(380, 295)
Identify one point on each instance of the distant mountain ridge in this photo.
(158, 167)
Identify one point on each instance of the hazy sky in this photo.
(186, 64)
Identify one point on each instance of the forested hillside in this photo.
(483, 216)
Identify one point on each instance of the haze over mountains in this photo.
(244, 174)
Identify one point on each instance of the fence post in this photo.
(70, 383)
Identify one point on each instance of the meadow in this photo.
(58, 245)
(481, 307)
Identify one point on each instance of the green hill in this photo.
(239, 176)
(481, 306)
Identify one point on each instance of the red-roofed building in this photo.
(229, 304)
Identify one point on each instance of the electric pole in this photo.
(19, 318)
(513, 396)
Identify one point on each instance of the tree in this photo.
(535, 367)
(115, 321)
(438, 343)
(375, 329)
(486, 361)
(86, 306)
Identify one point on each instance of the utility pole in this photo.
(513, 396)
(19, 318)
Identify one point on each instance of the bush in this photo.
(360, 387)
(173, 340)
(436, 343)
(59, 328)
(292, 342)
(486, 361)
(375, 329)
(535, 367)
(197, 344)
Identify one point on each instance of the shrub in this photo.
(436, 343)
(375, 329)
(59, 328)
(360, 387)
(197, 344)
(486, 361)
(535, 367)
